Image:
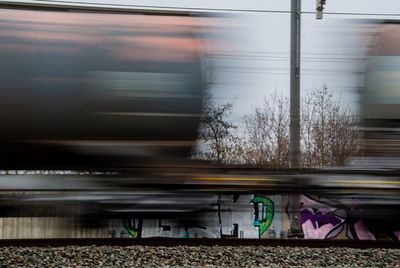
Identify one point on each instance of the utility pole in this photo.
(294, 199)
(295, 83)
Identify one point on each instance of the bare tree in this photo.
(215, 133)
(307, 138)
(328, 132)
(328, 129)
(266, 139)
(329, 135)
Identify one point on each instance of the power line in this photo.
(177, 8)
(200, 9)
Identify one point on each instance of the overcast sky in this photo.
(332, 48)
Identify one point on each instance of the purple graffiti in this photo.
(362, 231)
(319, 225)
(397, 234)
(319, 219)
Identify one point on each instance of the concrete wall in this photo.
(245, 216)
(266, 216)
(19, 228)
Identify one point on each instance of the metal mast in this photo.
(295, 83)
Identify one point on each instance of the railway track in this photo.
(173, 242)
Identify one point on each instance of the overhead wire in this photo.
(179, 8)
(163, 7)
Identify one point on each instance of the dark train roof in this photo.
(99, 7)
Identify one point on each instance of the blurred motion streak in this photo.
(381, 100)
(123, 94)
(92, 90)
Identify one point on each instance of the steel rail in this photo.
(196, 242)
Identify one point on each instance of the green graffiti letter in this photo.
(131, 230)
(268, 208)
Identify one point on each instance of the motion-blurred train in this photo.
(98, 90)
(90, 90)
(381, 99)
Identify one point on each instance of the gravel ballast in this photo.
(184, 256)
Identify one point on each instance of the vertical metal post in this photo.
(295, 83)
(294, 200)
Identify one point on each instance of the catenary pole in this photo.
(294, 199)
(295, 83)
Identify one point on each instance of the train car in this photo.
(92, 90)
(381, 99)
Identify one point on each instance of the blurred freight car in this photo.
(97, 90)
(381, 100)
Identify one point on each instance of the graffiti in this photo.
(322, 220)
(226, 216)
(397, 235)
(262, 217)
(218, 204)
(360, 231)
(133, 227)
(237, 216)
(164, 227)
(318, 220)
(259, 216)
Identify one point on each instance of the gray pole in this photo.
(295, 83)
(294, 201)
